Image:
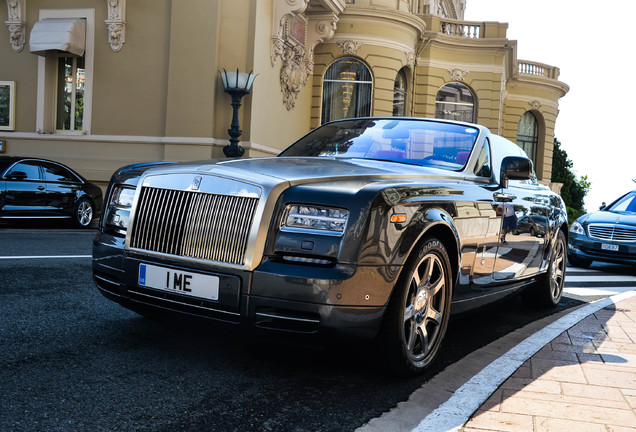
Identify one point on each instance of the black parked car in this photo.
(33, 188)
(376, 228)
(535, 225)
(607, 235)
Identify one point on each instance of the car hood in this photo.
(610, 217)
(297, 170)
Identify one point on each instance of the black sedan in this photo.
(374, 228)
(33, 188)
(607, 235)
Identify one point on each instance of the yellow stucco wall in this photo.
(161, 97)
(272, 125)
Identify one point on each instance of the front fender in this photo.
(392, 243)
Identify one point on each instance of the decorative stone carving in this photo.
(457, 74)
(535, 104)
(293, 75)
(16, 23)
(296, 35)
(349, 47)
(116, 23)
(282, 11)
(321, 28)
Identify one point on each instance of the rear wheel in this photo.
(83, 215)
(549, 288)
(418, 313)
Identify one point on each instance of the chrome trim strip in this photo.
(286, 228)
(268, 315)
(101, 278)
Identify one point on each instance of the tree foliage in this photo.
(574, 189)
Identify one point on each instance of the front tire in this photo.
(83, 214)
(418, 312)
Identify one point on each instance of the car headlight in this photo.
(577, 228)
(323, 220)
(119, 205)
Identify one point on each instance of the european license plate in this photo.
(177, 281)
(609, 247)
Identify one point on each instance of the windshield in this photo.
(418, 142)
(625, 204)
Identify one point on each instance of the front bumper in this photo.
(276, 297)
(586, 248)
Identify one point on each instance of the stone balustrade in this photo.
(537, 69)
(467, 29)
(464, 29)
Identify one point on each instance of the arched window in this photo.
(346, 90)
(399, 94)
(528, 135)
(455, 101)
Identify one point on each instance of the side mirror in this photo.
(515, 168)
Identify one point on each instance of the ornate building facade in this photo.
(124, 82)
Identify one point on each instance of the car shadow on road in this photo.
(341, 377)
(35, 224)
(621, 269)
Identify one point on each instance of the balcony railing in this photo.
(537, 69)
(467, 29)
(464, 29)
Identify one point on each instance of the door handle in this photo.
(40, 188)
(503, 197)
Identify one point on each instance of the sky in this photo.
(592, 43)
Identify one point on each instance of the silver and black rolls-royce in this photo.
(376, 228)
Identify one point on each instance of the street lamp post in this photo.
(236, 84)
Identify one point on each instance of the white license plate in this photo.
(609, 247)
(177, 281)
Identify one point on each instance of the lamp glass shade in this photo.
(237, 80)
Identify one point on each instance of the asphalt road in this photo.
(70, 360)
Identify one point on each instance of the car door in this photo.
(479, 227)
(522, 209)
(25, 193)
(61, 186)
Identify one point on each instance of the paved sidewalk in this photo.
(582, 381)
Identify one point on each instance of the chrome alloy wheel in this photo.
(557, 269)
(416, 318)
(84, 213)
(423, 316)
(548, 289)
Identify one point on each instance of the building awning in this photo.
(59, 34)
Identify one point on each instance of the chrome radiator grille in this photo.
(612, 232)
(198, 225)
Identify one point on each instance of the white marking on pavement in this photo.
(600, 277)
(596, 291)
(457, 410)
(582, 270)
(43, 256)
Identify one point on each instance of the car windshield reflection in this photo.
(417, 142)
(626, 204)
